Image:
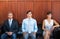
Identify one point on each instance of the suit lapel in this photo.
(8, 24)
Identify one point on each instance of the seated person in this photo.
(48, 25)
(29, 26)
(10, 27)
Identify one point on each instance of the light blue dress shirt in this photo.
(29, 25)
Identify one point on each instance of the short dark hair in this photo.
(28, 11)
(49, 13)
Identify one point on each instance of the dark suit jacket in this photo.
(13, 28)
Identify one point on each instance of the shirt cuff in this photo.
(35, 31)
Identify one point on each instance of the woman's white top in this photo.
(48, 26)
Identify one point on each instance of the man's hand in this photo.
(9, 33)
(24, 33)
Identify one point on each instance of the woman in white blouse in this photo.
(48, 25)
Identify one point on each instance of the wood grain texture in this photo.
(39, 9)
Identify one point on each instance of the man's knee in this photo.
(26, 36)
(14, 35)
(33, 36)
(4, 36)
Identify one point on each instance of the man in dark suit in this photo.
(10, 27)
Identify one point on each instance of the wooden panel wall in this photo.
(38, 7)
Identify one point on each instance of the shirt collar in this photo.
(10, 19)
(29, 19)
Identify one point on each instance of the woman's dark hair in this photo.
(49, 13)
(28, 11)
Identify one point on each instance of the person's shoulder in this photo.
(25, 19)
(44, 19)
(52, 19)
(5, 20)
(15, 20)
(33, 19)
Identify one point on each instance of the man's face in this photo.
(29, 14)
(10, 15)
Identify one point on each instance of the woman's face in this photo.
(49, 16)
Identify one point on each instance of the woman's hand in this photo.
(53, 28)
(45, 30)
